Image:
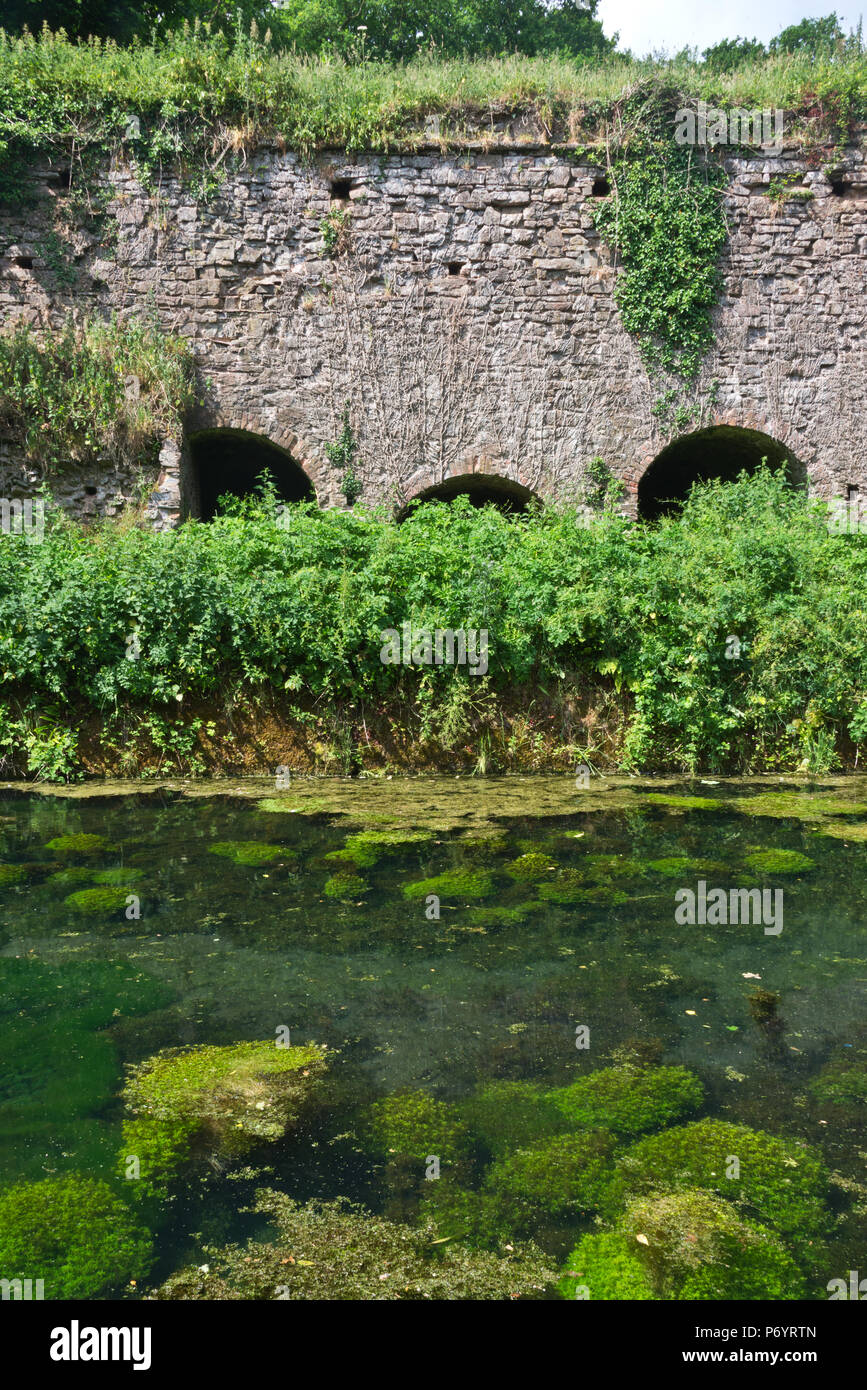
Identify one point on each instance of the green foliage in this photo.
(337, 1251)
(12, 873)
(665, 219)
(238, 608)
(64, 397)
(732, 53)
(782, 1182)
(843, 1080)
(98, 902)
(629, 1100)
(75, 1234)
(344, 885)
(412, 1124)
(82, 844)
(814, 37)
(342, 454)
(607, 1266)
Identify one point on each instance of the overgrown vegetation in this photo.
(241, 608)
(197, 97)
(91, 393)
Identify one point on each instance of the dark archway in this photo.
(234, 461)
(483, 490)
(723, 452)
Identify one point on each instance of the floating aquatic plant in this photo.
(413, 1124)
(567, 1175)
(345, 885)
(531, 868)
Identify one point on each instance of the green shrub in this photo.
(783, 1183)
(627, 1100)
(75, 1234)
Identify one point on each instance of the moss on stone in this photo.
(784, 1183)
(531, 868)
(120, 876)
(454, 883)
(348, 1254)
(80, 844)
(250, 852)
(74, 1233)
(68, 877)
(779, 861)
(843, 1080)
(571, 887)
(629, 1100)
(12, 873)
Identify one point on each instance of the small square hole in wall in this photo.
(456, 267)
(24, 262)
(838, 188)
(90, 491)
(601, 188)
(62, 178)
(340, 190)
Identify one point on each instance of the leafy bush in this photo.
(238, 607)
(75, 1234)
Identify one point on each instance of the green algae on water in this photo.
(629, 1100)
(81, 844)
(97, 902)
(252, 853)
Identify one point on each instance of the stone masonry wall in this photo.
(467, 318)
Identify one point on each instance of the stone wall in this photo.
(466, 316)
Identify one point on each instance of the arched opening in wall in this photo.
(723, 452)
(483, 490)
(235, 462)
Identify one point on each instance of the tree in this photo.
(731, 53)
(815, 37)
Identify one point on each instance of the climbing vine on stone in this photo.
(665, 219)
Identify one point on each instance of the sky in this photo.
(648, 25)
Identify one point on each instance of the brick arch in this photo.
(481, 485)
(269, 431)
(721, 450)
(221, 458)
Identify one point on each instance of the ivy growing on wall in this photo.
(665, 219)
